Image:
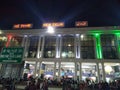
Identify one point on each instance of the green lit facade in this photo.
(89, 52)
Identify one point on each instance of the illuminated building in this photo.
(89, 52)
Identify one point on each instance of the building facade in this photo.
(79, 53)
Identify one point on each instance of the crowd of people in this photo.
(8, 83)
(64, 83)
(70, 84)
(37, 85)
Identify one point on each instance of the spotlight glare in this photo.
(50, 29)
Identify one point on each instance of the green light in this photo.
(98, 46)
(118, 34)
(96, 34)
(118, 41)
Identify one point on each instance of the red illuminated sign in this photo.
(81, 23)
(19, 26)
(54, 24)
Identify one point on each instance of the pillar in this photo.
(55, 70)
(39, 74)
(27, 43)
(98, 46)
(103, 70)
(58, 46)
(42, 49)
(23, 41)
(35, 69)
(77, 45)
(59, 69)
(80, 71)
(118, 44)
(98, 71)
(75, 77)
(38, 49)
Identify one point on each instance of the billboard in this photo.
(20, 26)
(81, 23)
(53, 24)
(11, 55)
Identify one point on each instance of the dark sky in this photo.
(96, 12)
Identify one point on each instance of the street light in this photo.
(50, 29)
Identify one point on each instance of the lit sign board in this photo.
(54, 24)
(81, 23)
(11, 55)
(19, 26)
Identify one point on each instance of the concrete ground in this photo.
(22, 87)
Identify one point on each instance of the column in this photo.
(75, 71)
(23, 41)
(118, 43)
(103, 70)
(58, 45)
(80, 71)
(98, 71)
(38, 50)
(59, 69)
(77, 45)
(43, 42)
(55, 70)
(27, 43)
(98, 46)
(39, 74)
(35, 68)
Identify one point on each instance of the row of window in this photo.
(67, 46)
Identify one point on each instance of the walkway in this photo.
(21, 87)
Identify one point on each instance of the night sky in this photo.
(96, 12)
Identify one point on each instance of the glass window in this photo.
(109, 46)
(33, 46)
(49, 47)
(68, 46)
(87, 47)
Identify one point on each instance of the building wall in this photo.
(83, 53)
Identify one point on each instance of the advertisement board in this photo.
(11, 55)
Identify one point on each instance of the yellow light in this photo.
(108, 69)
(69, 45)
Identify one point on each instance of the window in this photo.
(108, 43)
(87, 47)
(33, 46)
(68, 46)
(49, 47)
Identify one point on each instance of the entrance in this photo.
(47, 69)
(89, 71)
(67, 69)
(112, 71)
